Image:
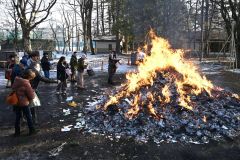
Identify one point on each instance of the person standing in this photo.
(114, 54)
(17, 71)
(8, 72)
(112, 67)
(45, 65)
(35, 66)
(81, 66)
(25, 94)
(62, 75)
(24, 60)
(73, 66)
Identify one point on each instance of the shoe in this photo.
(111, 83)
(81, 88)
(57, 92)
(33, 132)
(64, 92)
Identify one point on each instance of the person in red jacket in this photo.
(25, 94)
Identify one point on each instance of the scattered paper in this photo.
(69, 99)
(72, 104)
(66, 112)
(66, 128)
(56, 151)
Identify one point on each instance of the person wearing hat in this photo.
(81, 66)
(34, 56)
(17, 70)
(45, 65)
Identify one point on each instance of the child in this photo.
(25, 94)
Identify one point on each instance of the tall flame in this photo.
(163, 58)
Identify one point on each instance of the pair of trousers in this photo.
(26, 111)
(62, 86)
(46, 74)
(73, 74)
(80, 81)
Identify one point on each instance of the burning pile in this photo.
(167, 99)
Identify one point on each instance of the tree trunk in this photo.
(237, 41)
(206, 26)
(26, 41)
(84, 38)
(202, 32)
(117, 31)
(102, 17)
(97, 18)
(195, 24)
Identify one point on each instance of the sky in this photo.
(54, 12)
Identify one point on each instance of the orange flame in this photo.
(163, 58)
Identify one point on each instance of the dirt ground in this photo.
(86, 146)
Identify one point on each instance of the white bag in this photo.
(68, 71)
(35, 102)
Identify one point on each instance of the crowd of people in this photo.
(24, 75)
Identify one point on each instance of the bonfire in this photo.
(171, 66)
(167, 99)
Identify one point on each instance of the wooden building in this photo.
(103, 44)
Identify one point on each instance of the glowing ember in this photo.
(169, 64)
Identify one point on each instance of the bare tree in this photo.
(230, 11)
(54, 31)
(31, 14)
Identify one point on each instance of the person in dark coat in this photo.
(46, 66)
(17, 71)
(62, 75)
(114, 54)
(112, 67)
(35, 66)
(25, 94)
(12, 59)
(73, 66)
(24, 60)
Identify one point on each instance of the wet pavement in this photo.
(51, 143)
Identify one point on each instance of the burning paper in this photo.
(168, 64)
(166, 100)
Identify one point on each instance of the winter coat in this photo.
(112, 66)
(45, 63)
(61, 72)
(81, 65)
(24, 91)
(38, 78)
(73, 63)
(24, 60)
(16, 71)
(8, 71)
